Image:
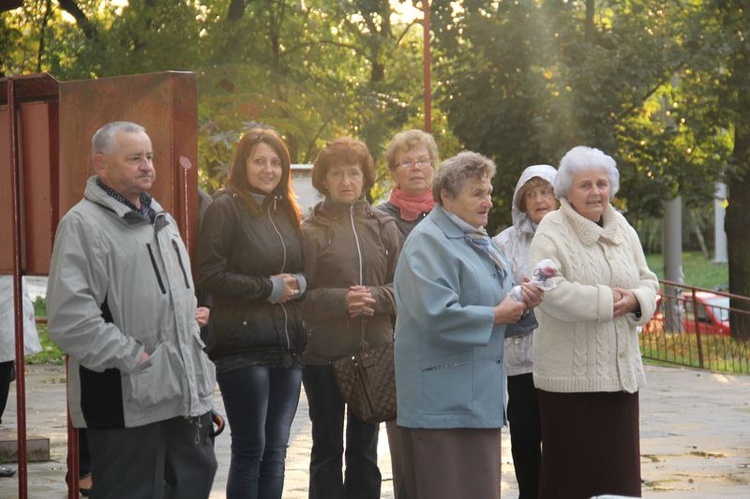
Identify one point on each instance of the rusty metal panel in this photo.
(36, 119)
(38, 132)
(6, 193)
(166, 104)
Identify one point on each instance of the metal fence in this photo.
(691, 327)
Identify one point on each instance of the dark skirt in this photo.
(590, 445)
(451, 463)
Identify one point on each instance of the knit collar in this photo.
(590, 232)
(411, 206)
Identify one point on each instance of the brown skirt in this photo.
(590, 445)
(451, 463)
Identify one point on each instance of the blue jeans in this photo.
(327, 409)
(260, 404)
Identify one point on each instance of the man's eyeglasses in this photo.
(421, 162)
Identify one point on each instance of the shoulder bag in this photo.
(367, 380)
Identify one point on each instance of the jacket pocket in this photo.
(519, 351)
(154, 381)
(447, 384)
(205, 377)
(156, 269)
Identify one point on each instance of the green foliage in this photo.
(660, 85)
(40, 307)
(698, 270)
(527, 80)
(313, 70)
(50, 354)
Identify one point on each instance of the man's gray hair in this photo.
(583, 159)
(103, 141)
(454, 171)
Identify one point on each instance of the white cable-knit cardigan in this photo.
(579, 346)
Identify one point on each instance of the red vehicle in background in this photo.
(708, 313)
(701, 312)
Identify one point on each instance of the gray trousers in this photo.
(171, 459)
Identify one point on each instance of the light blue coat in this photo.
(449, 352)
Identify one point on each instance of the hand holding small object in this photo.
(542, 276)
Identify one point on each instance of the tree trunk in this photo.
(737, 222)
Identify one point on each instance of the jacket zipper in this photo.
(156, 269)
(283, 266)
(356, 242)
(179, 259)
(362, 319)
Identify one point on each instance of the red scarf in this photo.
(412, 206)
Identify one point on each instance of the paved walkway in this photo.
(695, 439)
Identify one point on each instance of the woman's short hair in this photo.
(581, 159)
(237, 179)
(343, 151)
(408, 140)
(456, 170)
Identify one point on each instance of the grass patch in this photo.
(50, 354)
(699, 271)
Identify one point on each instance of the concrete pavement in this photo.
(695, 438)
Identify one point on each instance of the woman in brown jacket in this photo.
(350, 256)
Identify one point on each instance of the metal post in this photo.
(426, 59)
(720, 236)
(17, 290)
(673, 263)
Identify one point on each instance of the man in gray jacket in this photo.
(121, 304)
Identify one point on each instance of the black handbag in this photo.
(367, 381)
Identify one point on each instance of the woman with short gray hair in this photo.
(452, 289)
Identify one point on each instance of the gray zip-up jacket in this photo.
(119, 286)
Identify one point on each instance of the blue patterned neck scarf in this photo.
(484, 244)
(478, 239)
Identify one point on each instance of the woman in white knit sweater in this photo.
(587, 364)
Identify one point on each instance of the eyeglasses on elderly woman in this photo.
(422, 162)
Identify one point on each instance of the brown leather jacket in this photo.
(345, 245)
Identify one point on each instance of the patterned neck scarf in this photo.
(478, 239)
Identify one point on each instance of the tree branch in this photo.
(72, 8)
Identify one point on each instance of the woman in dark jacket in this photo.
(249, 259)
(350, 257)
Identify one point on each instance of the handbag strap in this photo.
(363, 330)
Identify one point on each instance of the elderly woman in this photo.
(412, 157)
(587, 364)
(350, 258)
(452, 290)
(532, 200)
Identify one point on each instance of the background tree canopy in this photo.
(662, 86)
